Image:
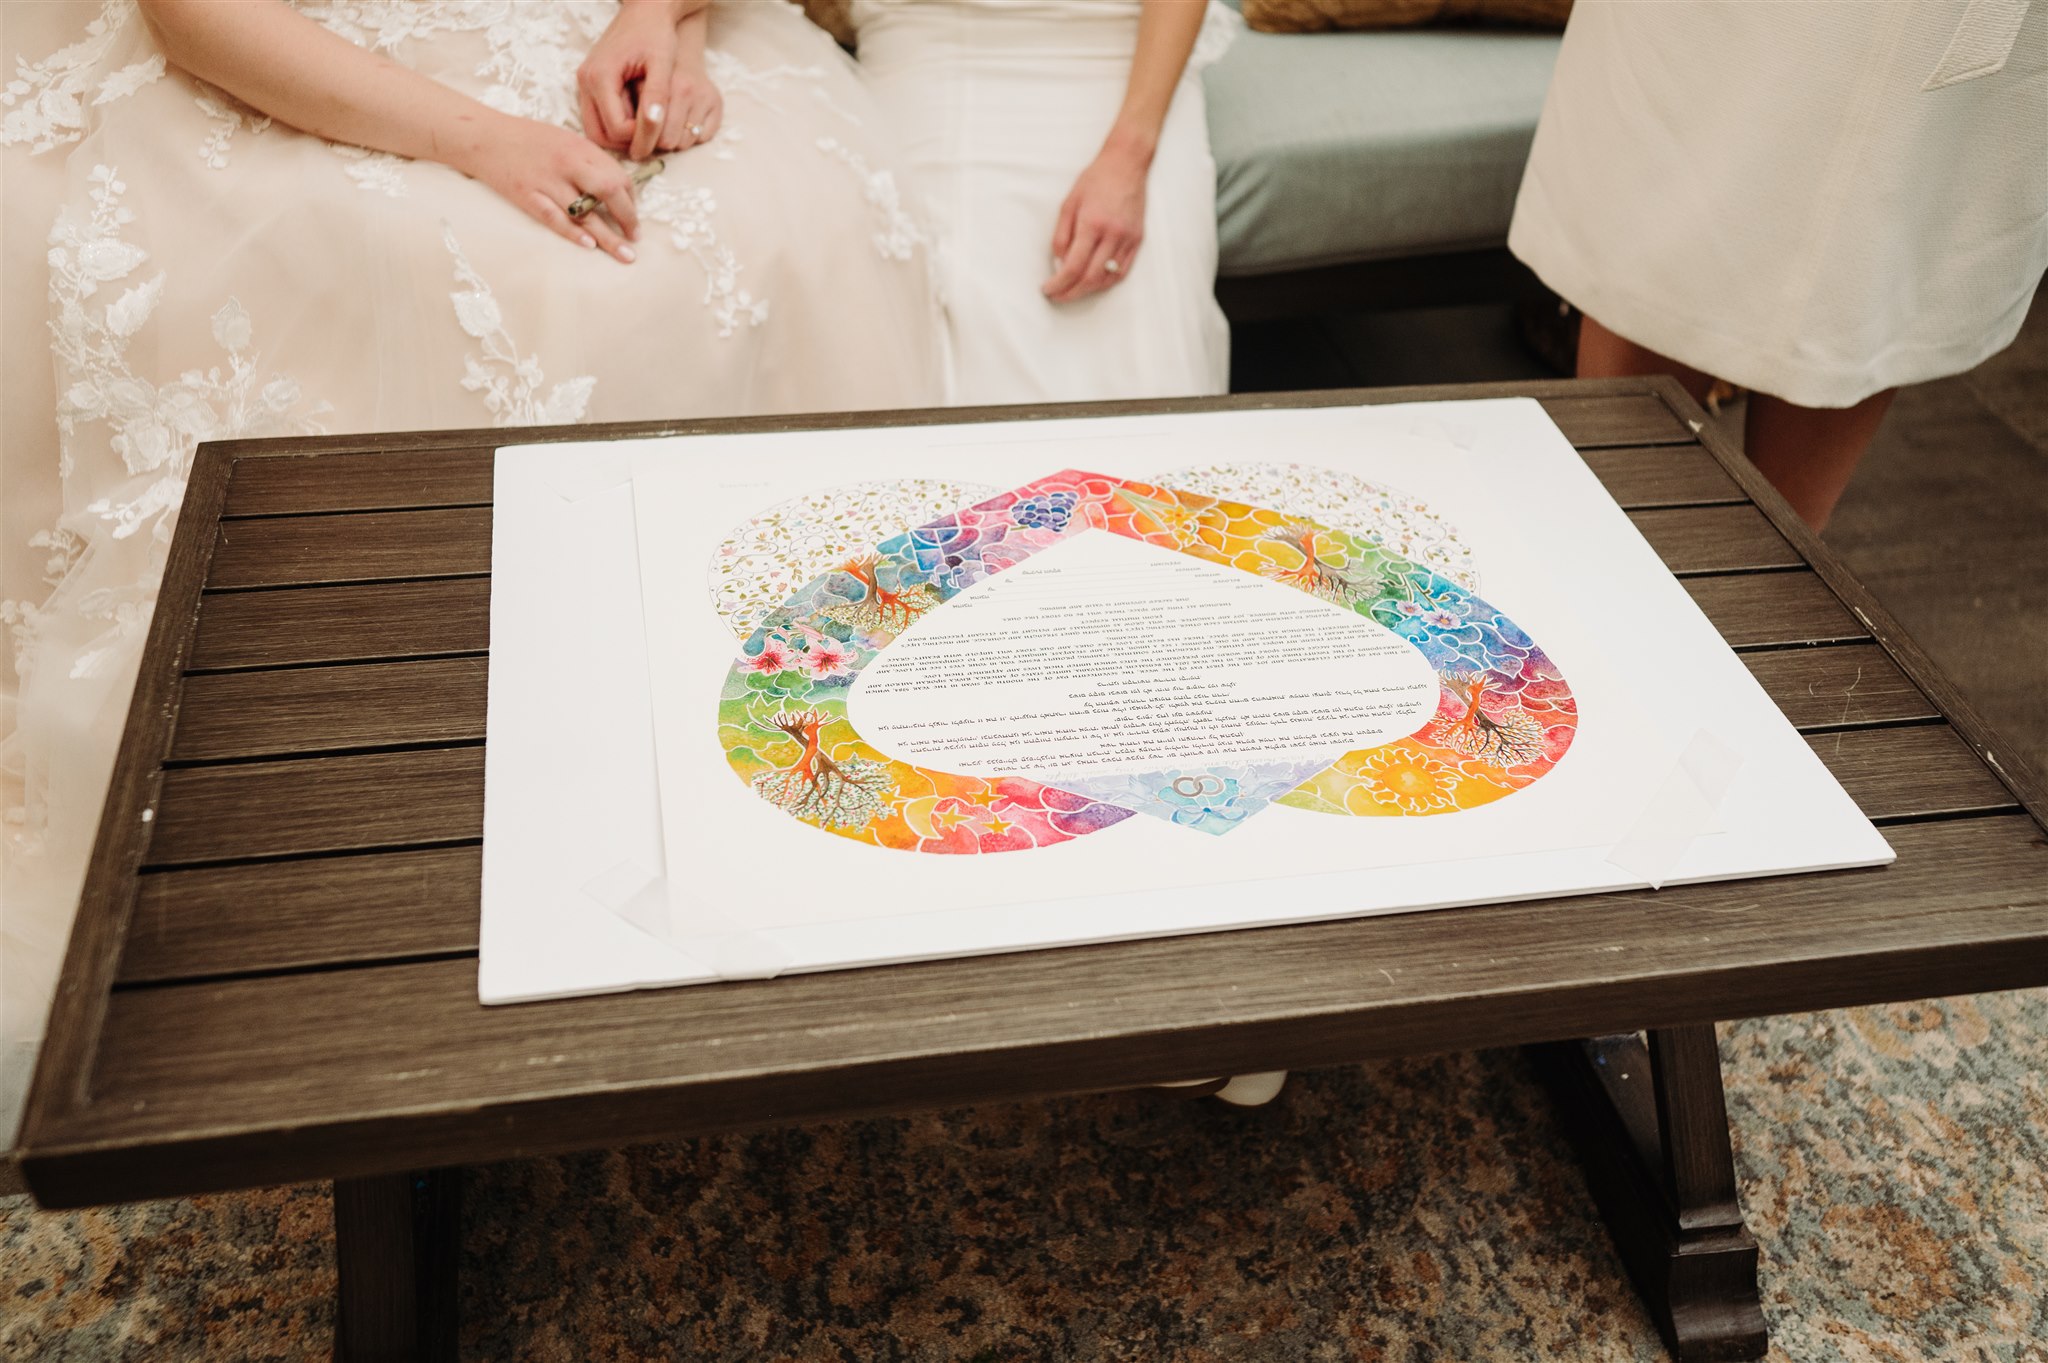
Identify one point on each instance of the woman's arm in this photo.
(1102, 222)
(275, 59)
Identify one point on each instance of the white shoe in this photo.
(1253, 1090)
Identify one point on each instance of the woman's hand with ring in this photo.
(625, 82)
(542, 170)
(696, 106)
(1100, 227)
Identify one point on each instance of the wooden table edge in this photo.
(2009, 767)
(99, 932)
(305, 446)
(68, 1166)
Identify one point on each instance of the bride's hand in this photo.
(1100, 227)
(641, 86)
(696, 104)
(541, 170)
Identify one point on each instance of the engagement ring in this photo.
(697, 131)
(1112, 267)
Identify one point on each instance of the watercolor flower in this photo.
(1408, 610)
(773, 657)
(826, 657)
(1440, 618)
(1410, 781)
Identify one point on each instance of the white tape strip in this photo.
(1686, 806)
(641, 898)
(739, 955)
(635, 894)
(575, 479)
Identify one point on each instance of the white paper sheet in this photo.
(754, 889)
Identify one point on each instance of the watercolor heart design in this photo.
(1494, 713)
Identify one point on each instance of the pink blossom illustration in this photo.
(827, 657)
(773, 657)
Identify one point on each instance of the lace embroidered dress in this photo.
(179, 268)
(999, 105)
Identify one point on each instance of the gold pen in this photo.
(642, 173)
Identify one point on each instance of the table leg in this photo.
(1651, 1127)
(397, 1244)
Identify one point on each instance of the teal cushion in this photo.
(1339, 147)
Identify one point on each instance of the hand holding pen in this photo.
(643, 85)
(586, 204)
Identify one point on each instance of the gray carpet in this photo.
(1894, 1161)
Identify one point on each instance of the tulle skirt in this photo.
(179, 268)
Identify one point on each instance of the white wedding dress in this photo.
(998, 105)
(1814, 201)
(178, 268)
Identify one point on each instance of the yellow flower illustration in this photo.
(1410, 781)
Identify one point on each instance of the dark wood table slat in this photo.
(299, 625)
(302, 711)
(327, 910)
(275, 551)
(1715, 539)
(390, 800)
(1757, 610)
(269, 809)
(374, 546)
(1844, 684)
(233, 920)
(1911, 773)
(375, 480)
(393, 545)
(1642, 477)
(325, 709)
(297, 1061)
(388, 472)
(1596, 422)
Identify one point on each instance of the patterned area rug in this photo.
(1894, 1163)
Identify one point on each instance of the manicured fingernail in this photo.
(626, 254)
(589, 242)
(652, 113)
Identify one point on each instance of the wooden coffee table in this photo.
(273, 976)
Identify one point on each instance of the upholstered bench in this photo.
(1371, 169)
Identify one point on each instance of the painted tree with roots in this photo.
(880, 610)
(1315, 576)
(831, 792)
(1505, 739)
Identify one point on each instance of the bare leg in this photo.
(1809, 453)
(1604, 355)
